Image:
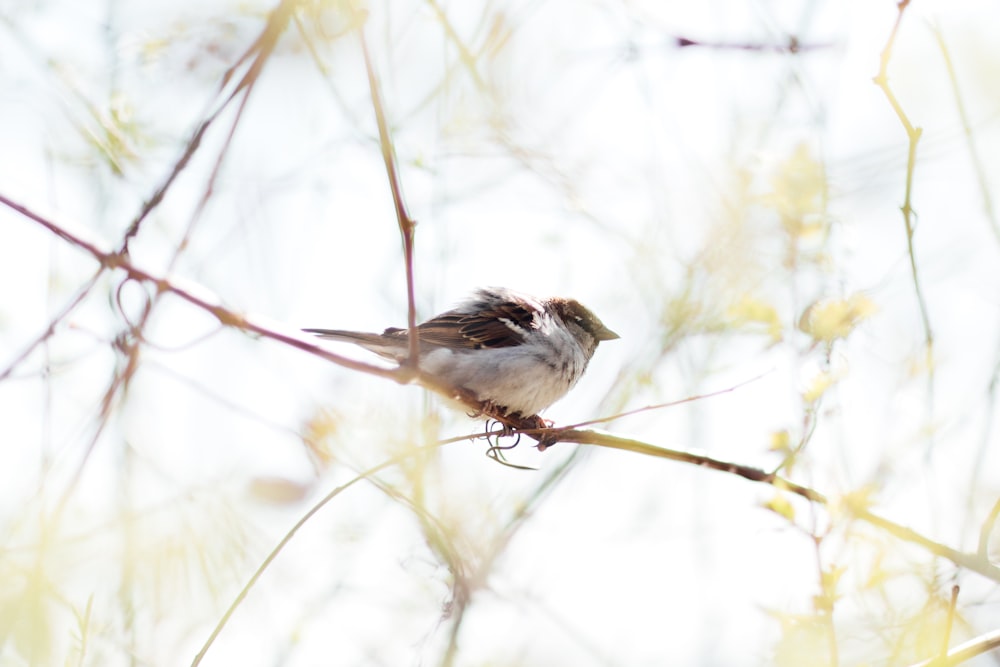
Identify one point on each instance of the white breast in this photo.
(524, 379)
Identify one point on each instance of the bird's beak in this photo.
(606, 334)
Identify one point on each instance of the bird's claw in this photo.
(503, 425)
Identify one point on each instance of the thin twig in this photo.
(668, 404)
(367, 474)
(406, 224)
(969, 561)
(70, 306)
(977, 163)
(913, 137)
(466, 56)
(205, 300)
(246, 85)
(964, 652)
(263, 46)
(946, 639)
(199, 297)
(987, 529)
(479, 577)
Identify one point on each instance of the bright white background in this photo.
(582, 154)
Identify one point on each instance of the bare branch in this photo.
(987, 529)
(367, 474)
(913, 136)
(406, 224)
(977, 162)
(668, 404)
(964, 652)
(952, 604)
(77, 299)
(971, 561)
(263, 47)
(201, 298)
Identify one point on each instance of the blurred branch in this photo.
(406, 224)
(977, 163)
(793, 45)
(987, 529)
(128, 343)
(464, 54)
(75, 301)
(261, 50)
(985, 445)
(200, 298)
(913, 136)
(952, 604)
(116, 387)
(668, 404)
(480, 571)
(286, 539)
(964, 652)
(971, 561)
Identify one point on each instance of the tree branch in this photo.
(406, 224)
(913, 137)
(201, 298)
(966, 651)
(531, 426)
(263, 47)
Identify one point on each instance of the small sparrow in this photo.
(515, 352)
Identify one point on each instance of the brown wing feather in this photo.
(487, 328)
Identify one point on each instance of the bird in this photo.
(516, 353)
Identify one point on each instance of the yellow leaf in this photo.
(818, 386)
(827, 320)
(779, 505)
(751, 311)
(277, 490)
(848, 504)
(319, 430)
(780, 441)
(862, 498)
(830, 578)
(798, 194)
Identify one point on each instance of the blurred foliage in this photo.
(691, 180)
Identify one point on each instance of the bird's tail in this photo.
(376, 343)
(351, 336)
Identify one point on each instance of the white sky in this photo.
(635, 168)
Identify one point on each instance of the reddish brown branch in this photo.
(201, 298)
(406, 224)
(263, 47)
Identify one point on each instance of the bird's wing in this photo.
(501, 325)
